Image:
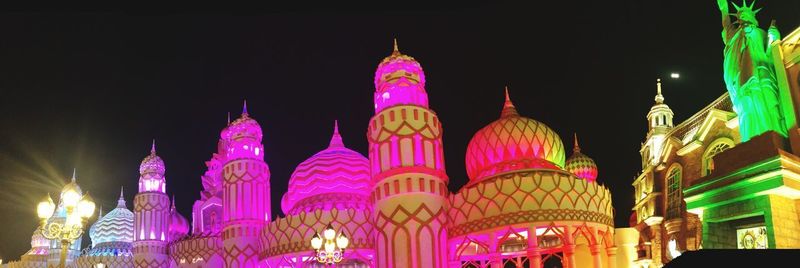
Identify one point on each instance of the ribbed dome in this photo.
(116, 226)
(580, 164)
(152, 163)
(399, 80)
(511, 143)
(178, 225)
(336, 169)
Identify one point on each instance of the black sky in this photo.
(90, 89)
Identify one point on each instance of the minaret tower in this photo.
(407, 167)
(151, 214)
(660, 122)
(245, 202)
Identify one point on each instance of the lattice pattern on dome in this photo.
(528, 196)
(582, 166)
(513, 143)
(399, 80)
(293, 233)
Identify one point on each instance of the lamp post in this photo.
(78, 209)
(330, 247)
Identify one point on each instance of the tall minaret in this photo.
(245, 202)
(151, 214)
(660, 122)
(407, 166)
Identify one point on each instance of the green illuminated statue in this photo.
(750, 73)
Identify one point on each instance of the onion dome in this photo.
(335, 170)
(399, 80)
(152, 163)
(114, 227)
(72, 185)
(512, 142)
(178, 225)
(242, 127)
(580, 164)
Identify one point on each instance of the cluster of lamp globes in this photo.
(330, 247)
(79, 208)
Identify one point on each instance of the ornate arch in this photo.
(715, 147)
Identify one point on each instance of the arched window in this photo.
(674, 176)
(716, 147)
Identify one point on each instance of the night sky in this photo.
(90, 89)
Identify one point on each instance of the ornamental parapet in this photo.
(526, 196)
(200, 247)
(294, 232)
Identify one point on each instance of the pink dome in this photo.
(335, 170)
(152, 163)
(399, 80)
(581, 165)
(512, 143)
(178, 225)
(242, 127)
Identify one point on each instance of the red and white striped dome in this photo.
(335, 170)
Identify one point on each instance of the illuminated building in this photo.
(706, 182)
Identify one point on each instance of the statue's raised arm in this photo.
(726, 16)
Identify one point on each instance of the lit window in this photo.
(674, 193)
(257, 150)
(708, 158)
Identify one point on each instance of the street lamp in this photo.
(78, 209)
(330, 247)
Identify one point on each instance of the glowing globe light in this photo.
(86, 206)
(46, 208)
(675, 75)
(329, 247)
(70, 198)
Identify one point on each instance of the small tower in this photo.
(659, 123)
(246, 192)
(151, 214)
(409, 183)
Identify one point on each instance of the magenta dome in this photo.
(152, 163)
(399, 80)
(243, 127)
(335, 170)
(178, 225)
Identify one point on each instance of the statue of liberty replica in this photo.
(749, 72)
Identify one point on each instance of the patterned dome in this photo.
(511, 143)
(335, 170)
(116, 226)
(178, 225)
(399, 80)
(580, 164)
(152, 163)
(242, 127)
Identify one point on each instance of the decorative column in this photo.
(611, 252)
(495, 261)
(407, 164)
(569, 249)
(151, 214)
(246, 192)
(595, 249)
(534, 253)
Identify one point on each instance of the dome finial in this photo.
(229, 118)
(577, 147)
(508, 107)
(153, 147)
(659, 97)
(336, 139)
(396, 50)
(173, 202)
(121, 201)
(74, 170)
(100, 213)
(244, 108)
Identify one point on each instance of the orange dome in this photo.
(511, 143)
